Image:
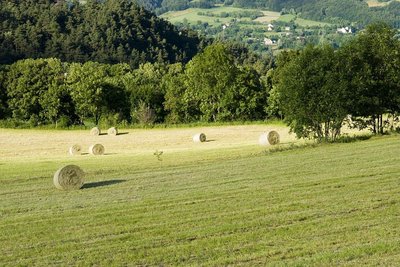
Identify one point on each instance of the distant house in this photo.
(268, 41)
(270, 27)
(287, 28)
(344, 30)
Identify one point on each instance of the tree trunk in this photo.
(374, 124)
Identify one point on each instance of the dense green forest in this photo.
(109, 32)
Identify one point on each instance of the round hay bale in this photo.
(199, 138)
(112, 131)
(75, 150)
(95, 131)
(96, 149)
(273, 137)
(69, 177)
(263, 140)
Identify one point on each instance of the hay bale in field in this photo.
(69, 177)
(273, 137)
(96, 149)
(75, 150)
(263, 139)
(199, 138)
(112, 131)
(95, 131)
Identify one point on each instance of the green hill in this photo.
(331, 11)
(109, 32)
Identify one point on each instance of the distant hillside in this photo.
(331, 11)
(109, 32)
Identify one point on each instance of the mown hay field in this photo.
(223, 202)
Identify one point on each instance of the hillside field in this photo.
(375, 3)
(192, 17)
(224, 202)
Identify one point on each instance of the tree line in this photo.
(223, 83)
(315, 90)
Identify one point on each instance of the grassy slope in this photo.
(374, 3)
(192, 17)
(302, 22)
(333, 204)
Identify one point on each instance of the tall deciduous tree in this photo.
(370, 69)
(247, 99)
(30, 87)
(311, 100)
(174, 86)
(87, 89)
(210, 75)
(145, 91)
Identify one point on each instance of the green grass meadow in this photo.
(192, 17)
(328, 205)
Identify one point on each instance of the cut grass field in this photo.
(223, 202)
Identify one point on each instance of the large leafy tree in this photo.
(175, 103)
(247, 99)
(210, 75)
(219, 89)
(34, 89)
(370, 67)
(146, 93)
(309, 96)
(88, 89)
(98, 89)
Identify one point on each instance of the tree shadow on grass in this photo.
(102, 183)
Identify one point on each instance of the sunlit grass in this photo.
(323, 205)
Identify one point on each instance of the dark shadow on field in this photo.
(102, 183)
(123, 133)
(103, 134)
(105, 154)
(212, 140)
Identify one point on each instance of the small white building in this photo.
(268, 41)
(344, 30)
